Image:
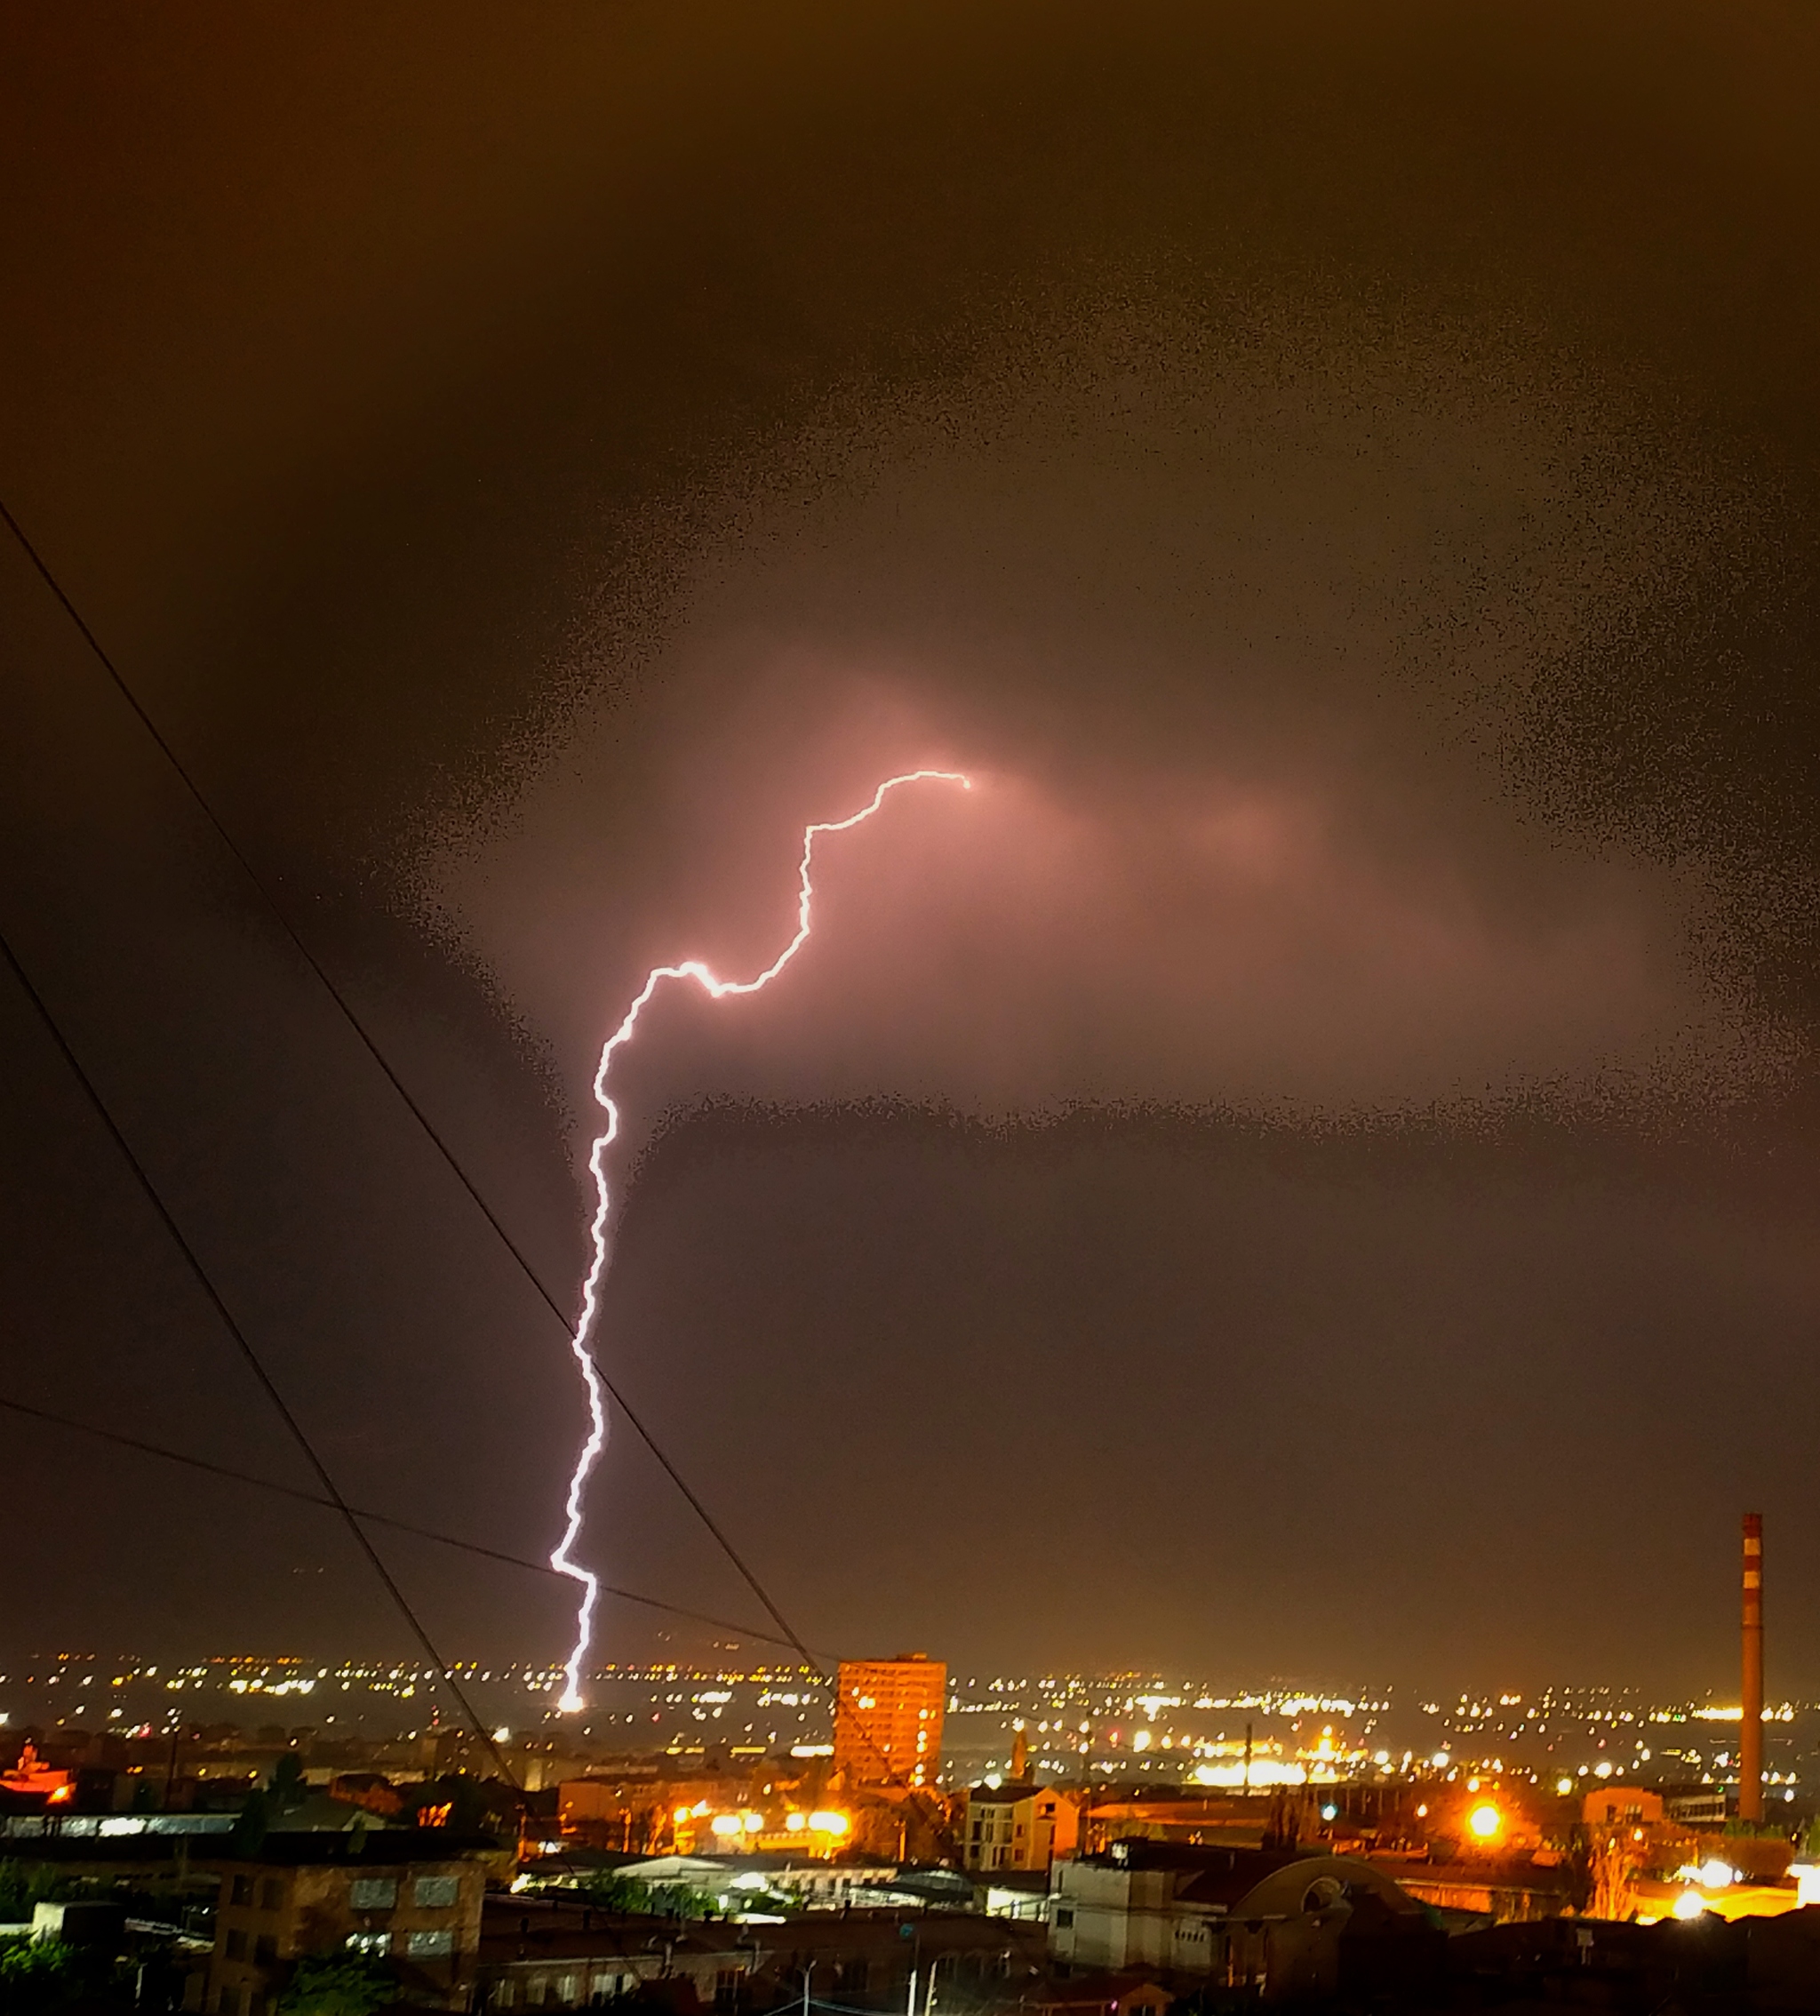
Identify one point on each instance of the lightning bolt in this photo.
(718, 990)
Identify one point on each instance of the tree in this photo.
(284, 1788)
(1577, 1860)
(251, 1826)
(338, 1984)
(614, 1893)
(635, 1899)
(48, 1974)
(23, 1884)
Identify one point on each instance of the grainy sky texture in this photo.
(1313, 1168)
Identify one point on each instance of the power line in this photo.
(372, 1518)
(384, 1063)
(423, 1120)
(333, 1498)
(255, 1364)
(706, 1518)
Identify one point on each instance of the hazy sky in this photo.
(1313, 1167)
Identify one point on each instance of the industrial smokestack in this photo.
(1751, 1730)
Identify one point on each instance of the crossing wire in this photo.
(371, 1517)
(397, 1084)
(254, 1362)
(791, 1635)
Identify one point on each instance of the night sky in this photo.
(1312, 1169)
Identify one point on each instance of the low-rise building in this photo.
(1013, 1826)
(1262, 1920)
(410, 1897)
(536, 1954)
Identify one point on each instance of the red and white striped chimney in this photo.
(1751, 1730)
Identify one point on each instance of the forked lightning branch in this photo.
(581, 1338)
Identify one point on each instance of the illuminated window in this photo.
(373, 1893)
(432, 1945)
(435, 1892)
(369, 1942)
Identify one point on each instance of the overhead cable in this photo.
(791, 1637)
(380, 1058)
(371, 1517)
(254, 1362)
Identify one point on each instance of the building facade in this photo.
(546, 1955)
(888, 1720)
(416, 1904)
(1264, 1921)
(1018, 1827)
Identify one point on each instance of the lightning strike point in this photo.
(571, 1700)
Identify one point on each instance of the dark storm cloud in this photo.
(1344, 480)
(1241, 628)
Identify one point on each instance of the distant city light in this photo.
(1485, 1821)
(1263, 1771)
(1689, 1904)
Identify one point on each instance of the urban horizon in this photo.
(1137, 1721)
(982, 825)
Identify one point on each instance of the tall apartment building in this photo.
(888, 1719)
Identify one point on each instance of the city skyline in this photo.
(910, 1008)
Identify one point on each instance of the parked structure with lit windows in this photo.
(888, 1720)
